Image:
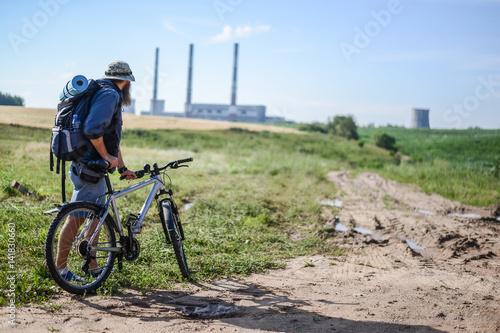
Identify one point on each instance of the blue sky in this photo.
(305, 60)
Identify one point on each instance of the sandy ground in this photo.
(409, 266)
(44, 118)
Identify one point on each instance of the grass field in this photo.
(462, 165)
(256, 199)
(44, 118)
(473, 148)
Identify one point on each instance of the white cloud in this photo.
(229, 33)
(170, 27)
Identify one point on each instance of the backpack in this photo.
(68, 144)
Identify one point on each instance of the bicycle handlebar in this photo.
(156, 171)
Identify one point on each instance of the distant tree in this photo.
(314, 127)
(344, 126)
(8, 99)
(384, 140)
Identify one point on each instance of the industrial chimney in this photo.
(235, 74)
(187, 106)
(420, 118)
(155, 89)
(233, 109)
(156, 105)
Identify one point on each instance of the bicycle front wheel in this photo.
(66, 248)
(171, 228)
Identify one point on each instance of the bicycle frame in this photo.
(157, 186)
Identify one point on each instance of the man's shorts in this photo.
(84, 191)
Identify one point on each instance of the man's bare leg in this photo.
(67, 237)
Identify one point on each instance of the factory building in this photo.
(221, 112)
(224, 112)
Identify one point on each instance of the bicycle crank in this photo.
(131, 248)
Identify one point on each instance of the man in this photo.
(103, 128)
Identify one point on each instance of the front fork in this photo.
(175, 210)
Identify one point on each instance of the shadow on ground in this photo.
(235, 303)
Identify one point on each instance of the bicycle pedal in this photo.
(133, 222)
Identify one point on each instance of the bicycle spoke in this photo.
(67, 244)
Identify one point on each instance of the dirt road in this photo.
(413, 263)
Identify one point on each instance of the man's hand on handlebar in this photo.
(128, 175)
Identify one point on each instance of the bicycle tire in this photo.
(175, 238)
(76, 256)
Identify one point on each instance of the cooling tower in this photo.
(420, 118)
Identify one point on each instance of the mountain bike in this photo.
(82, 257)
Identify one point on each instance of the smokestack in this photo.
(235, 72)
(190, 77)
(155, 89)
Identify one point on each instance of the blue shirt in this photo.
(104, 119)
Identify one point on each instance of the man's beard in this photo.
(127, 98)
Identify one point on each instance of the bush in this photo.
(384, 140)
(344, 126)
(314, 127)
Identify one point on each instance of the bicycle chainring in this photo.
(131, 254)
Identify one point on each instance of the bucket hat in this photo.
(119, 70)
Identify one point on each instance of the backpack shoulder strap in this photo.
(94, 88)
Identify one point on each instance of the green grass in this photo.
(474, 148)
(462, 165)
(256, 201)
(251, 191)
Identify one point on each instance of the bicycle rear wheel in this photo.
(172, 233)
(66, 248)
